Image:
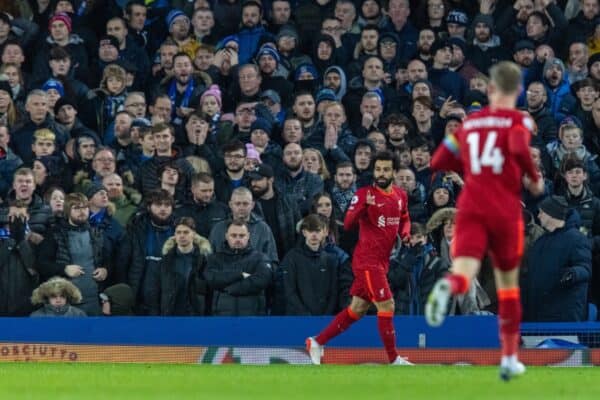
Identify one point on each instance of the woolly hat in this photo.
(141, 123)
(63, 101)
(54, 84)
(94, 188)
(439, 44)
(109, 40)
(325, 95)
(214, 91)
(552, 61)
(271, 95)
(304, 68)
(261, 123)
(523, 44)
(173, 15)
(252, 153)
(484, 19)
(51, 163)
(459, 42)
(268, 51)
(555, 206)
(61, 17)
(287, 30)
(121, 299)
(457, 17)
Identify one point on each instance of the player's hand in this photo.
(537, 188)
(370, 199)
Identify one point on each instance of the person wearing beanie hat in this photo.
(56, 297)
(306, 72)
(252, 158)
(173, 16)
(267, 50)
(261, 124)
(56, 19)
(268, 59)
(559, 267)
(486, 49)
(288, 31)
(117, 300)
(210, 101)
(440, 76)
(457, 23)
(593, 66)
(459, 62)
(325, 94)
(557, 83)
(53, 84)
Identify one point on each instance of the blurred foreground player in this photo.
(381, 213)
(492, 150)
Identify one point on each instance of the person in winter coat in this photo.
(180, 288)
(9, 162)
(309, 273)
(18, 273)
(413, 272)
(238, 275)
(56, 297)
(140, 252)
(252, 30)
(558, 267)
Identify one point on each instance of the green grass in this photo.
(283, 382)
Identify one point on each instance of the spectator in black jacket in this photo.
(537, 98)
(310, 274)
(141, 249)
(203, 207)
(238, 275)
(18, 272)
(232, 177)
(180, 287)
(558, 267)
(279, 209)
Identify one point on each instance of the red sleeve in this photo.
(358, 205)
(447, 156)
(404, 217)
(518, 146)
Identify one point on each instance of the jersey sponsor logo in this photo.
(381, 221)
(488, 122)
(380, 205)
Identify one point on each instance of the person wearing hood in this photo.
(442, 193)
(56, 297)
(60, 27)
(325, 54)
(117, 300)
(371, 13)
(559, 267)
(65, 113)
(388, 51)
(73, 249)
(288, 43)
(238, 274)
(334, 78)
(486, 48)
(556, 80)
(180, 288)
(126, 200)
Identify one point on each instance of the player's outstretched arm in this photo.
(536, 188)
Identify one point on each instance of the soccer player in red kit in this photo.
(492, 150)
(381, 213)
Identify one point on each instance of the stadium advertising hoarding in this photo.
(46, 352)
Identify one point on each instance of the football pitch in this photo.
(154, 381)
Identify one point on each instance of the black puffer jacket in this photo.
(233, 294)
(164, 294)
(39, 214)
(310, 282)
(18, 277)
(206, 216)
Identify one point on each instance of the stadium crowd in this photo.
(196, 157)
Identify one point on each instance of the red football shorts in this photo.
(371, 285)
(502, 238)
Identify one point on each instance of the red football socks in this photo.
(509, 318)
(385, 324)
(459, 284)
(340, 323)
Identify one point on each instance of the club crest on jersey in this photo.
(399, 204)
(528, 123)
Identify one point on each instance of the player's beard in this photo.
(383, 183)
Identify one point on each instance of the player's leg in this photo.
(509, 319)
(468, 246)
(342, 321)
(506, 249)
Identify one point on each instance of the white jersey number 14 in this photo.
(490, 156)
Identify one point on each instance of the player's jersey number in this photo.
(490, 156)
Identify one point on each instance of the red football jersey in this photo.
(379, 225)
(491, 148)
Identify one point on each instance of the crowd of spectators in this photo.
(196, 157)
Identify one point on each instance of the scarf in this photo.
(185, 100)
(343, 197)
